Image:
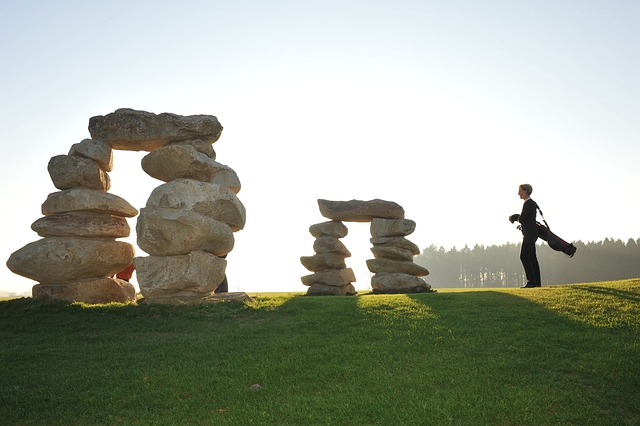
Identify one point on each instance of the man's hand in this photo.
(514, 218)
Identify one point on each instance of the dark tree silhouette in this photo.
(499, 266)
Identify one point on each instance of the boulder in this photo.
(82, 224)
(400, 242)
(236, 296)
(204, 300)
(329, 290)
(96, 150)
(100, 290)
(391, 227)
(391, 252)
(322, 261)
(328, 244)
(87, 200)
(389, 265)
(398, 283)
(332, 228)
(70, 171)
(360, 211)
(129, 129)
(61, 260)
(165, 232)
(330, 277)
(208, 199)
(195, 275)
(186, 162)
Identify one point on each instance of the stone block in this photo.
(133, 130)
(87, 200)
(101, 290)
(168, 232)
(205, 198)
(360, 211)
(82, 224)
(60, 260)
(194, 275)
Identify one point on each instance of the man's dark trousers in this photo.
(530, 260)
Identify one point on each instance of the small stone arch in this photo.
(186, 226)
(392, 265)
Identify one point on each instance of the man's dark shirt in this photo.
(528, 218)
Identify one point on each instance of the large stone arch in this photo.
(186, 226)
(392, 265)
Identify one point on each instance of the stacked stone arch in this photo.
(392, 265)
(186, 226)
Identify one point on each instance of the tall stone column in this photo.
(392, 265)
(78, 254)
(330, 273)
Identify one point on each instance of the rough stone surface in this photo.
(232, 296)
(82, 224)
(133, 130)
(200, 145)
(194, 275)
(360, 211)
(208, 299)
(391, 227)
(329, 290)
(88, 200)
(332, 228)
(226, 177)
(165, 232)
(96, 150)
(400, 242)
(391, 252)
(101, 290)
(60, 260)
(398, 283)
(70, 171)
(328, 244)
(186, 162)
(205, 198)
(322, 261)
(330, 277)
(389, 265)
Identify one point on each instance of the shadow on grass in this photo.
(608, 291)
(544, 358)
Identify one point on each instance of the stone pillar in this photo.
(330, 273)
(78, 253)
(393, 266)
(188, 222)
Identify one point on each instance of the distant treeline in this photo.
(499, 266)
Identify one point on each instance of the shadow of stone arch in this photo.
(528, 348)
(612, 292)
(392, 265)
(186, 225)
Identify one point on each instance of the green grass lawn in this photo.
(554, 355)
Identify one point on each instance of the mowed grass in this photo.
(554, 355)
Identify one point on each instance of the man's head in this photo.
(525, 190)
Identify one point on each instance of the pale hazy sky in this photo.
(441, 106)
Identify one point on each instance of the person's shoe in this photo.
(529, 285)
